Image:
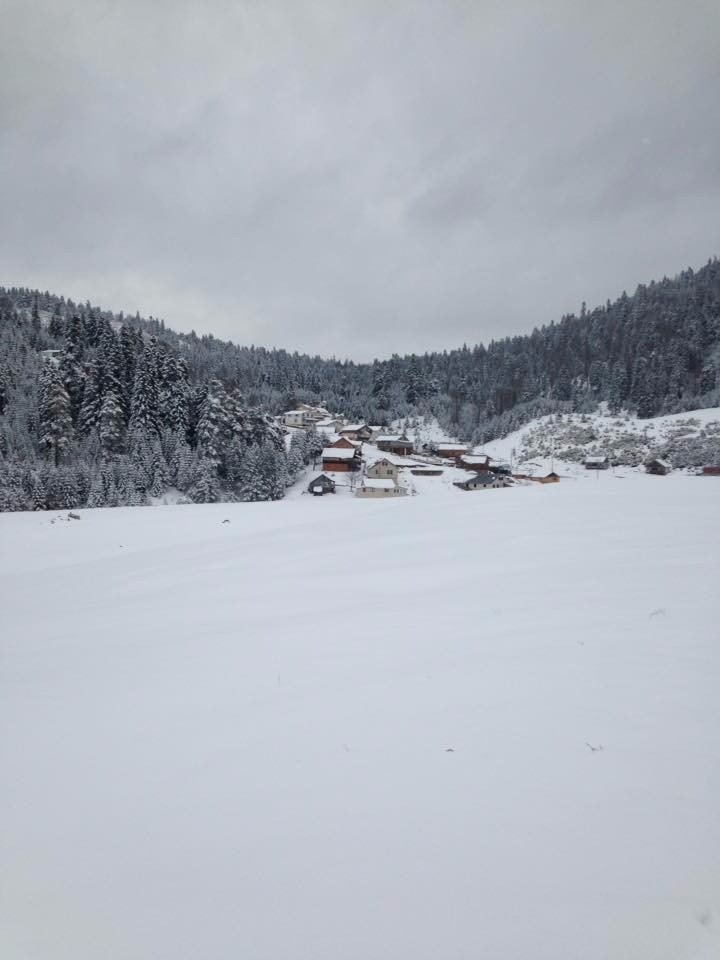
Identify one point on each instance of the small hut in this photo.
(657, 467)
(321, 485)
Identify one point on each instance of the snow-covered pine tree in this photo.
(55, 417)
(144, 411)
(205, 487)
(112, 425)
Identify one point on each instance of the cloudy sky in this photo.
(354, 177)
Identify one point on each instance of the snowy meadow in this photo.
(450, 726)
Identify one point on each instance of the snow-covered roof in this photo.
(476, 459)
(379, 484)
(338, 453)
(663, 463)
(451, 446)
(392, 463)
(388, 437)
(353, 426)
(595, 459)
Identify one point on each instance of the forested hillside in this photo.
(127, 407)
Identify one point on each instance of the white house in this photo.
(305, 416)
(380, 488)
(383, 469)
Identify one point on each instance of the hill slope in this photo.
(132, 406)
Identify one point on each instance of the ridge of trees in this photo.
(127, 408)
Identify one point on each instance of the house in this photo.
(321, 485)
(657, 467)
(356, 431)
(551, 477)
(341, 459)
(399, 445)
(482, 481)
(472, 462)
(596, 463)
(450, 451)
(383, 470)
(711, 471)
(305, 416)
(343, 443)
(51, 356)
(380, 488)
(330, 424)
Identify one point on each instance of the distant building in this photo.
(380, 488)
(658, 467)
(341, 459)
(305, 416)
(596, 463)
(392, 443)
(711, 471)
(383, 470)
(330, 424)
(51, 356)
(474, 462)
(321, 485)
(356, 431)
(450, 451)
(482, 481)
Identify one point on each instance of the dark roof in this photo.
(321, 480)
(481, 479)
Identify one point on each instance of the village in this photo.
(372, 462)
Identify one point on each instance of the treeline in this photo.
(132, 407)
(97, 412)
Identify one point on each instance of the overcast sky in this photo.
(353, 177)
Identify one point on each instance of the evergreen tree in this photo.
(55, 418)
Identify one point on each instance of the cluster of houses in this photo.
(381, 478)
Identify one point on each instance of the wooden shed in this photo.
(657, 467)
(321, 485)
(597, 463)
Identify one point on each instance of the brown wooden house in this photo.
(341, 459)
(399, 445)
(450, 451)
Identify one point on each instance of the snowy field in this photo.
(449, 727)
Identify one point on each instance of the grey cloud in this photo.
(355, 178)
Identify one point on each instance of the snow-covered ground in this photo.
(457, 725)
